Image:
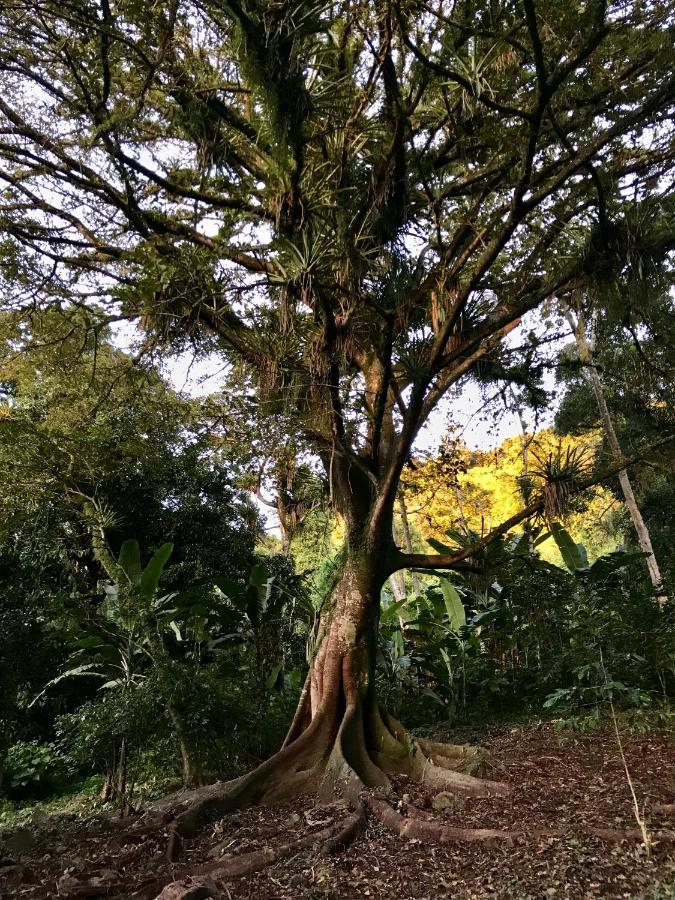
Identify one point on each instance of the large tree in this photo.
(354, 202)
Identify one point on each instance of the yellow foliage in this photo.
(479, 490)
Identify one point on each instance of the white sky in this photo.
(480, 429)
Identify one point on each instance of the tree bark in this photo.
(407, 542)
(192, 772)
(586, 358)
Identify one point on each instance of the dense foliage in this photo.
(352, 210)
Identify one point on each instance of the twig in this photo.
(646, 838)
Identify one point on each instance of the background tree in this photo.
(96, 447)
(625, 353)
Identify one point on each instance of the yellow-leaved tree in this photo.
(475, 490)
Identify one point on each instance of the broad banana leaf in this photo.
(153, 571)
(130, 560)
(453, 605)
(574, 555)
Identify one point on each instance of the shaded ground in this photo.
(565, 783)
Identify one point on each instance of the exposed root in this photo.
(412, 827)
(460, 757)
(328, 840)
(456, 782)
(421, 829)
(441, 766)
(332, 762)
(349, 831)
(617, 835)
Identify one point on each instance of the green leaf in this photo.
(390, 613)
(153, 571)
(130, 561)
(232, 590)
(272, 678)
(610, 563)
(439, 547)
(574, 555)
(258, 577)
(85, 671)
(453, 605)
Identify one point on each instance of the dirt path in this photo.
(566, 786)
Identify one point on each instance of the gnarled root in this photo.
(362, 751)
(421, 829)
(328, 840)
(440, 766)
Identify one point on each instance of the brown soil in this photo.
(568, 790)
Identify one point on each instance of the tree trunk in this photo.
(120, 785)
(586, 359)
(341, 741)
(407, 542)
(192, 772)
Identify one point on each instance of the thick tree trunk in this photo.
(586, 359)
(341, 742)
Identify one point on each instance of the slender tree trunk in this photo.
(192, 771)
(397, 580)
(120, 787)
(407, 542)
(586, 359)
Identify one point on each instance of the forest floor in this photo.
(565, 786)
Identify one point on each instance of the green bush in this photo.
(32, 769)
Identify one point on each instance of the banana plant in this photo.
(109, 645)
(575, 557)
(262, 606)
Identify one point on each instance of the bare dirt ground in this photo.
(570, 808)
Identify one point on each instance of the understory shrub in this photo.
(32, 769)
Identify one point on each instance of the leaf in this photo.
(258, 577)
(439, 547)
(153, 571)
(390, 613)
(453, 605)
(253, 606)
(216, 642)
(89, 643)
(542, 538)
(84, 671)
(574, 555)
(272, 678)
(130, 561)
(428, 692)
(518, 543)
(610, 563)
(232, 590)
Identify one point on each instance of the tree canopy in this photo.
(356, 201)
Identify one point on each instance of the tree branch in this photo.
(434, 561)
